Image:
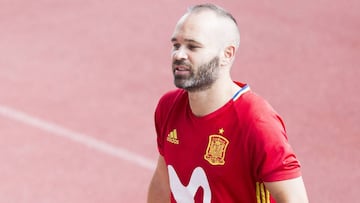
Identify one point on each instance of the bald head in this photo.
(216, 9)
(221, 21)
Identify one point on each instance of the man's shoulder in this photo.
(252, 100)
(170, 98)
(172, 94)
(253, 106)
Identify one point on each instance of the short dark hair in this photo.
(217, 9)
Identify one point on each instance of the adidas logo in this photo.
(172, 137)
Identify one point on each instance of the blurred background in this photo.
(96, 69)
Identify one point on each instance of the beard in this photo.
(198, 79)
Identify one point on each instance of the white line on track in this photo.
(81, 138)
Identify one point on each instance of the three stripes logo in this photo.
(172, 137)
(262, 194)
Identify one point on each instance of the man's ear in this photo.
(228, 55)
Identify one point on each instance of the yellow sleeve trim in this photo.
(262, 194)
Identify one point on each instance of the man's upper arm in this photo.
(159, 189)
(288, 191)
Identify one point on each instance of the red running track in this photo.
(79, 81)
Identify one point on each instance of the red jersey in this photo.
(226, 155)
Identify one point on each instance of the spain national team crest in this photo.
(215, 152)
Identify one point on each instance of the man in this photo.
(218, 141)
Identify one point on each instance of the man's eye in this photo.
(176, 46)
(192, 47)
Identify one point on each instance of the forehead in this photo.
(196, 27)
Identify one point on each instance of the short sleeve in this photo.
(274, 158)
(162, 112)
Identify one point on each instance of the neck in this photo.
(209, 100)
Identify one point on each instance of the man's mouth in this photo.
(181, 69)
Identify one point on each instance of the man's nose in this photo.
(180, 54)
